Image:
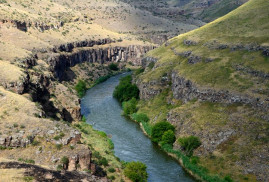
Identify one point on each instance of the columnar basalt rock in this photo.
(16, 141)
(185, 90)
(59, 62)
(24, 25)
(81, 160)
(68, 47)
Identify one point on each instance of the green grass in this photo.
(246, 25)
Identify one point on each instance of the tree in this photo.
(81, 88)
(189, 144)
(136, 171)
(129, 107)
(159, 129)
(113, 67)
(126, 90)
(168, 137)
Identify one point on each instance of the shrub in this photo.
(110, 144)
(35, 143)
(228, 179)
(81, 88)
(64, 160)
(59, 167)
(140, 117)
(136, 171)
(129, 107)
(158, 130)
(96, 155)
(151, 65)
(103, 161)
(84, 119)
(57, 137)
(168, 137)
(139, 71)
(113, 67)
(194, 160)
(29, 161)
(111, 169)
(111, 177)
(59, 146)
(189, 144)
(126, 90)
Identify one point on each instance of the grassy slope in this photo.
(237, 28)
(246, 25)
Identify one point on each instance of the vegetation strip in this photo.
(163, 133)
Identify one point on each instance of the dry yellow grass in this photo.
(11, 175)
(9, 72)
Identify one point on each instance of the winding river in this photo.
(104, 113)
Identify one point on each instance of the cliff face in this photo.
(24, 25)
(61, 61)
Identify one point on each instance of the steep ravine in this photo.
(48, 81)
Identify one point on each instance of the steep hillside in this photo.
(189, 11)
(46, 49)
(214, 82)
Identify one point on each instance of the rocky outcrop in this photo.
(150, 89)
(24, 25)
(59, 62)
(18, 86)
(185, 90)
(80, 160)
(15, 141)
(147, 60)
(68, 47)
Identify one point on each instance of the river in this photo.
(104, 113)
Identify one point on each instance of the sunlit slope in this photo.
(229, 53)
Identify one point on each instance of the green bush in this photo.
(110, 144)
(228, 179)
(111, 169)
(59, 146)
(103, 161)
(126, 90)
(159, 129)
(136, 171)
(129, 107)
(189, 144)
(59, 167)
(151, 65)
(64, 160)
(139, 71)
(111, 177)
(81, 88)
(35, 143)
(140, 117)
(113, 67)
(29, 161)
(168, 137)
(84, 119)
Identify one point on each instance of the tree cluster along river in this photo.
(104, 113)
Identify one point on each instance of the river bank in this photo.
(130, 144)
